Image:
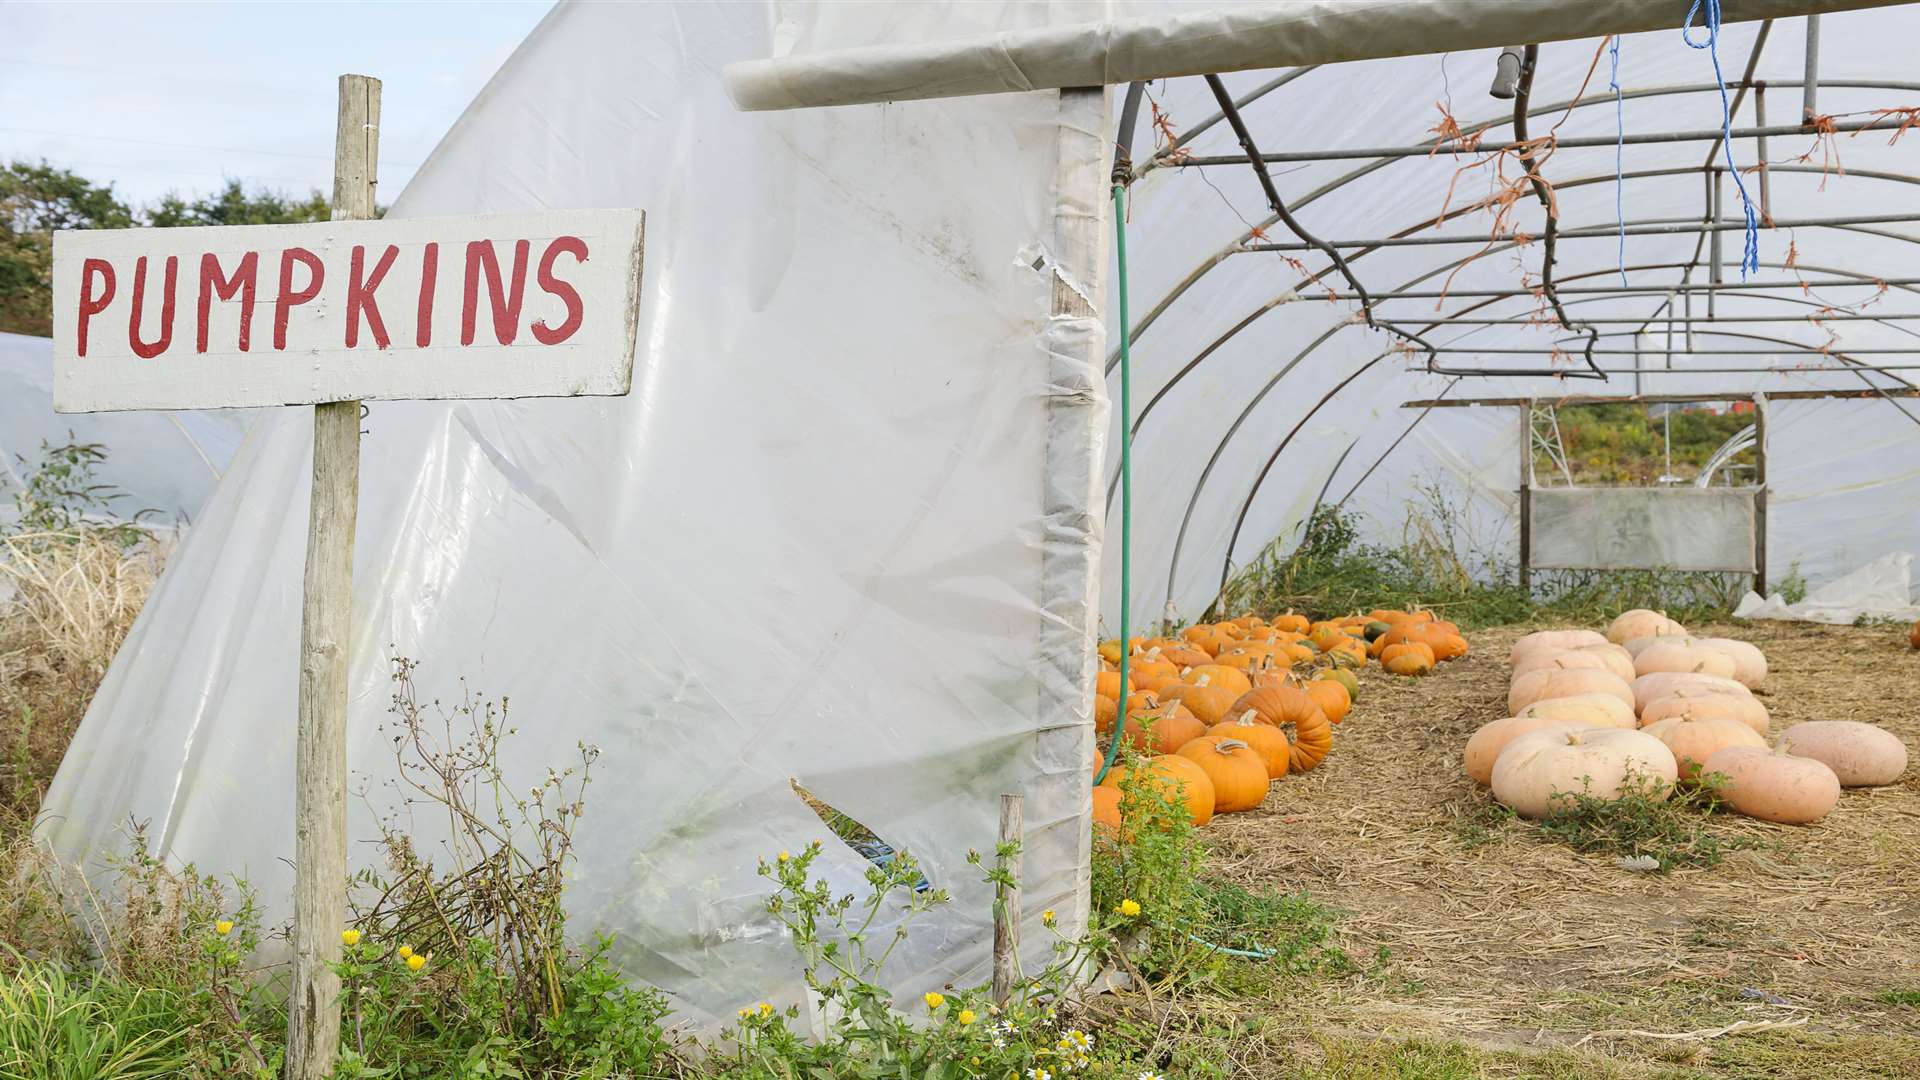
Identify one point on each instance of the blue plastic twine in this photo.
(1619, 154)
(1750, 259)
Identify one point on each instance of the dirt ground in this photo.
(1500, 937)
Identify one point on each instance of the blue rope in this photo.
(1750, 258)
(1619, 154)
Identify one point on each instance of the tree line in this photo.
(38, 199)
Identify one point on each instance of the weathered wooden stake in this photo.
(1006, 904)
(320, 789)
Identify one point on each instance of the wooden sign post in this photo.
(328, 314)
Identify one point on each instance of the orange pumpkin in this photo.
(1178, 778)
(1236, 770)
(1268, 741)
(1108, 684)
(1153, 683)
(1164, 728)
(1284, 706)
(1416, 648)
(1205, 700)
(1447, 646)
(1105, 709)
(1296, 623)
(1185, 655)
(1106, 809)
(1219, 675)
(1913, 636)
(1409, 663)
(1332, 697)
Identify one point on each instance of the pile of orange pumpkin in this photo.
(1225, 708)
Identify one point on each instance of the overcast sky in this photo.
(160, 97)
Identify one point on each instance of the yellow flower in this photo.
(416, 962)
(350, 937)
(406, 952)
(744, 1013)
(1048, 918)
(784, 856)
(1129, 907)
(933, 1000)
(766, 1008)
(223, 927)
(967, 1017)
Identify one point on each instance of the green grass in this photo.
(1330, 572)
(1899, 997)
(1643, 821)
(1622, 444)
(58, 1025)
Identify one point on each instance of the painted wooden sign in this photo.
(523, 305)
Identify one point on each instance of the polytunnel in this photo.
(841, 549)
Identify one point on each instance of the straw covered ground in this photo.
(1797, 956)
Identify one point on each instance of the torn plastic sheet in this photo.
(1882, 589)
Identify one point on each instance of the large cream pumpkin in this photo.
(1860, 755)
(1590, 710)
(1611, 658)
(1705, 704)
(1484, 747)
(1546, 683)
(1635, 645)
(1660, 684)
(1773, 785)
(1694, 741)
(1535, 771)
(1553, 640)
(1641, 623)
(1669, 656)
(1749, 663)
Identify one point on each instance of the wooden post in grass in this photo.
(320, 785)
(1006, 902)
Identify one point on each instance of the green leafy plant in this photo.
(1644, 821)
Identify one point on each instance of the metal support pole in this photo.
(1760, 495)
(1810, 84)
(1526, 499)
(1760, 155)
(1715, 272)
(1703, 222)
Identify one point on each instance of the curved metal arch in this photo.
(1193, 499)
(1139, 421)
(1858, 368)
(1173, 564)
(1206, 266)
(1140, 418)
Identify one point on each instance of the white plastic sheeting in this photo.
(1882, 589)
(165, 463)
(1236, 350)
(1843, 479)
(838, 534)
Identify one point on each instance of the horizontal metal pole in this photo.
(1577, 142)
(1659, 399)
(1660, 227)
(1620, 290)
(1645, 320)
(1797, 347)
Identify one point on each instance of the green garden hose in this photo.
(1126, 476)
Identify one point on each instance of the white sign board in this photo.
(521, 305)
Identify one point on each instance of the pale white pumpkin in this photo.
(1535, 770)
(1860, 755)
(1669, 657)
(1641, 623)
(1749, 663)
(1560, 682)
(1589, 710)
(1634, 645)
(1565, 659)
(1705, 704)
(1554, 640)
(1774, 785)
(1694, 741)
(1484, 747)
(1660, 684)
